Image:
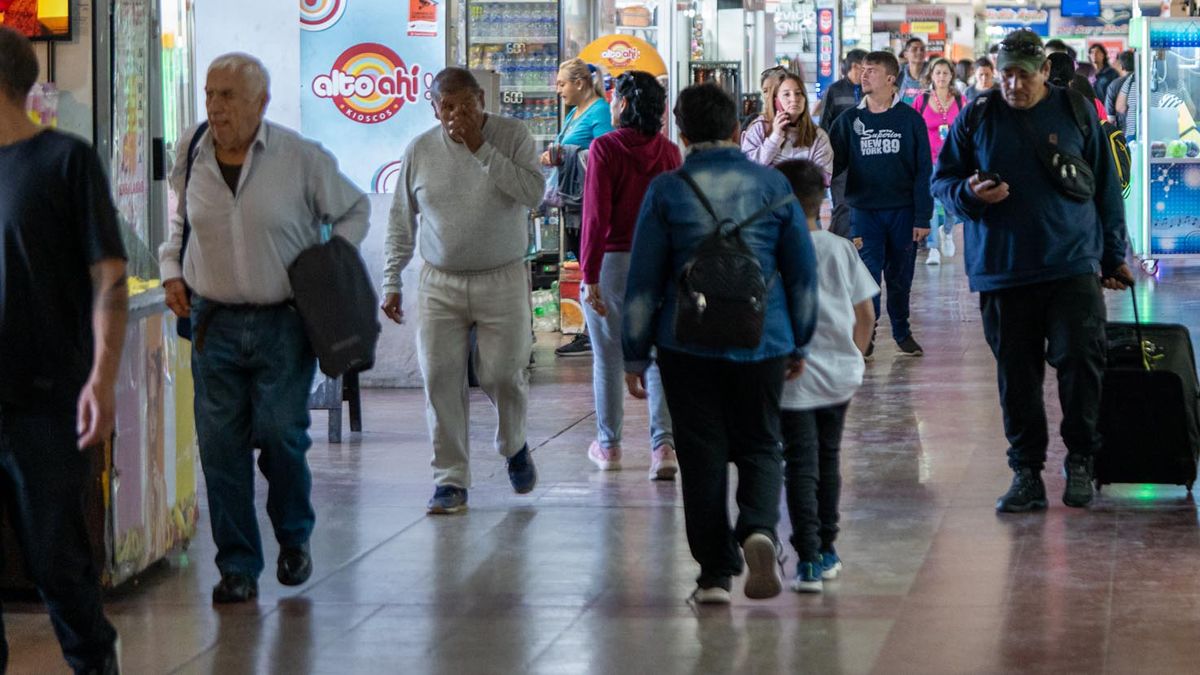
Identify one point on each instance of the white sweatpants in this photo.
(497, 304)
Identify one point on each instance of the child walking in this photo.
(814, 405)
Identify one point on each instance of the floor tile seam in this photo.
(215, 641)
(562, 431)
(358, 558)
(907, 600)
(587, 607)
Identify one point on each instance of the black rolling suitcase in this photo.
(1150, 406)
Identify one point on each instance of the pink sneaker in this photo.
(607, 459)
(663, 463)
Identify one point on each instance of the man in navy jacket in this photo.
(1038, 259)
(882, 146)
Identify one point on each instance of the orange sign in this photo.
(619, 53)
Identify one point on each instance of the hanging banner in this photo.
(825, 56)
(1112, 21)
(365, 88)
(1003, 20)
(619, 53)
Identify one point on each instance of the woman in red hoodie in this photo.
(621, 164)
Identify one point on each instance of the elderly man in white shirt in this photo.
(258, 195)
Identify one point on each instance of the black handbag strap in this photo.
(187, 178)
(773, 206)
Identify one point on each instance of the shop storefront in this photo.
(123, 78)
(1165, 196)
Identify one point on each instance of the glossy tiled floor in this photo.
(589, 574)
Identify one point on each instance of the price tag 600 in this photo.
(515, 48)
(513, 97)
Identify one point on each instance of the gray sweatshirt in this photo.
(472, 209)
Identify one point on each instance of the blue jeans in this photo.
(43, 479)
(888, 250)
(608, 363)
(253, 373)
(942, 220)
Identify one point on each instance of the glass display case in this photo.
(1165, 218)
(519, 40)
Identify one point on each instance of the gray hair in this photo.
(248, 67)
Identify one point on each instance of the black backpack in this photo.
(1083, 111)
(337, 302)
(722, 299)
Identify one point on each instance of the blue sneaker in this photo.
(521, 472)
(831, 564)
(448, 499)
(808, 577)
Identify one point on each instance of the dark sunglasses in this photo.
(773, 69)
(1022, 48)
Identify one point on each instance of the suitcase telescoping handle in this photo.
(1143, 348)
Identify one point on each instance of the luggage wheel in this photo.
(1150, 266)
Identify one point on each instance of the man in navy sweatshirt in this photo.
(1038, 259)
(883, 147)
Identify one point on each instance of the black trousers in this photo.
(43, 479)
(725, 411)
(1061, 323)
(812, 478)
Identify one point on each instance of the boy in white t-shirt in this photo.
(814, 405)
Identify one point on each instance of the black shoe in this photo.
(580, 346)
(234, 588)
(521, 472)
(909, 347)
(1078, 492)
(1027, 493)
(294, 566)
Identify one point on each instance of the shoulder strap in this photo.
(979, 108)
(687, 178)
(961, 101)
(924, 99)
(187, 178)
(773, 206)
(1079, 108)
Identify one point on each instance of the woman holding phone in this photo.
(786, 130)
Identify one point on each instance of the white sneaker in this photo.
(607, 459)
(935, 257)
(948, 246)
(762, 564)
(711, 596)
(663, 463)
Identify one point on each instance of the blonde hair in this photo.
(804, 132)
(578, 69)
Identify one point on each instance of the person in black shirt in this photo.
(63, 305)
(842, 96)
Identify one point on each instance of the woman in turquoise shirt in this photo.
(581, 86)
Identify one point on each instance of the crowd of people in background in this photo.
(709, 284)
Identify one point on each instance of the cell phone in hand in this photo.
(985, 176)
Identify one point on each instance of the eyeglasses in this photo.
(1022, 48)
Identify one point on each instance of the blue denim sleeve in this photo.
(649, 267)
(798, 270)
(956, 164)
